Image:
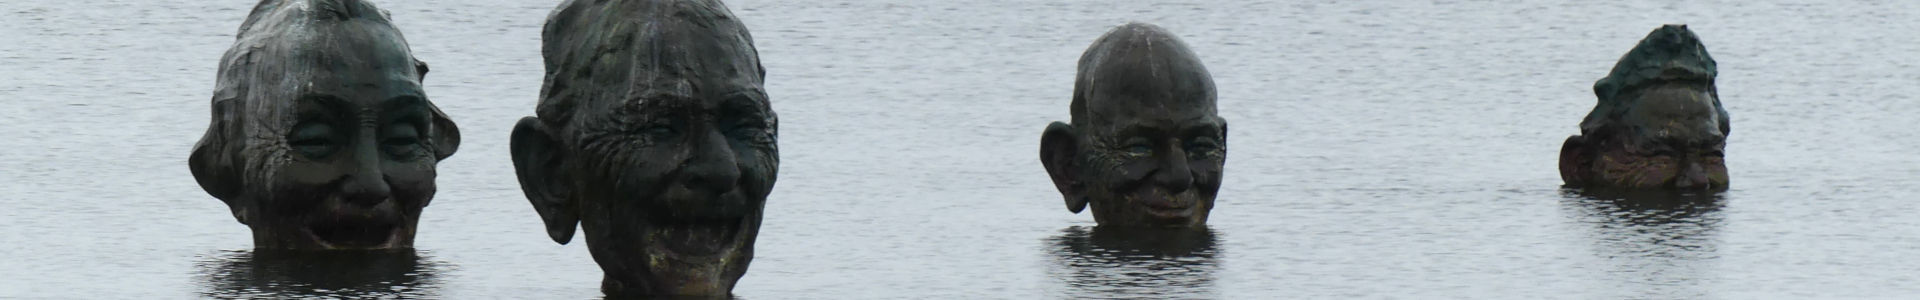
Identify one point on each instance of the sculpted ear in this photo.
(1058, 146)
(213, 163)
(1575, 159)
(446, 135)
(420, 68)
(538, 162)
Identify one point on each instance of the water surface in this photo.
(1381, 149)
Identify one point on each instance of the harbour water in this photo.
(1380, 149)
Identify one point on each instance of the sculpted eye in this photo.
(1138, 147)
(657, 130)
(751, 131)
(401, 140)
(313, 140)
(1200, 146)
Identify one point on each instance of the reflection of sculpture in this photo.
(332, 274)
(1118, 262)
(1145, 147)
(654, 135)
(1658, 124)
(321, 136)
(1654, 243)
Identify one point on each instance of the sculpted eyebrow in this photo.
(652, 101)
(323, 104)
(1206, 128)
(406, 108)
(746, 102)
(403, 102)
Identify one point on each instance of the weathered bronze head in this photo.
(1658, 123)
(1145, 147)
(654, 135)
(321, 136)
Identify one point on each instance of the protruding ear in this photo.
(420, 68)
(446, 135)
(1575, 160)
(213, 162)
(1058, 148)
(539, 162)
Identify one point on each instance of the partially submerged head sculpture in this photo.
(1659, 123)
(654, 135)
(1146, 146)
(321, 136)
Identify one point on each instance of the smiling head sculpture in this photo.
(1146, 146)
(653, 134)
(1658, 124)
(322, 137)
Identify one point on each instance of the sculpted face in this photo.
(1146, 147)
(321, 136)
(656, 137)
(1659, 123)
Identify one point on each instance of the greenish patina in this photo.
(1146, 146)
(1658, 122)
(654, 136)
(322, 136)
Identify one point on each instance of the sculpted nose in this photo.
(1174, 175)
(366, 184)
(710, 165)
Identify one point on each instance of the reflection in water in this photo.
(262, 274)
(1660, 243)
(1103, 263)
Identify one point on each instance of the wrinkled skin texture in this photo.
(322, 137)
(1659, 123)
(1145, 147)
(653, 134)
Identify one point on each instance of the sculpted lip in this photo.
(1161, 205)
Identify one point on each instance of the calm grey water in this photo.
(1381, 149)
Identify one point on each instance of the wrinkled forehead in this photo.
(276, 65)
(337, 58)
(1675, 102)
(693, 60)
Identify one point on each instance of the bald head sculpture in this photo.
(652, 134)
(1145, 147)
(322, 137)
(1658, 124)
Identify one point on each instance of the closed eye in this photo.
(313, 139)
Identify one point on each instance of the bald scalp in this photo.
(1139, 65)
(599, 51)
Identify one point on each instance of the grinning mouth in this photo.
(353, 234)
(698, 237)
(1164, 206)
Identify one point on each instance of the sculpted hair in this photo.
(1671, 53)
(1119, 58)
(604, 50)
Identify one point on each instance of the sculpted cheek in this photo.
(413, 184)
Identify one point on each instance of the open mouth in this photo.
(361, 234)
(698, 237)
